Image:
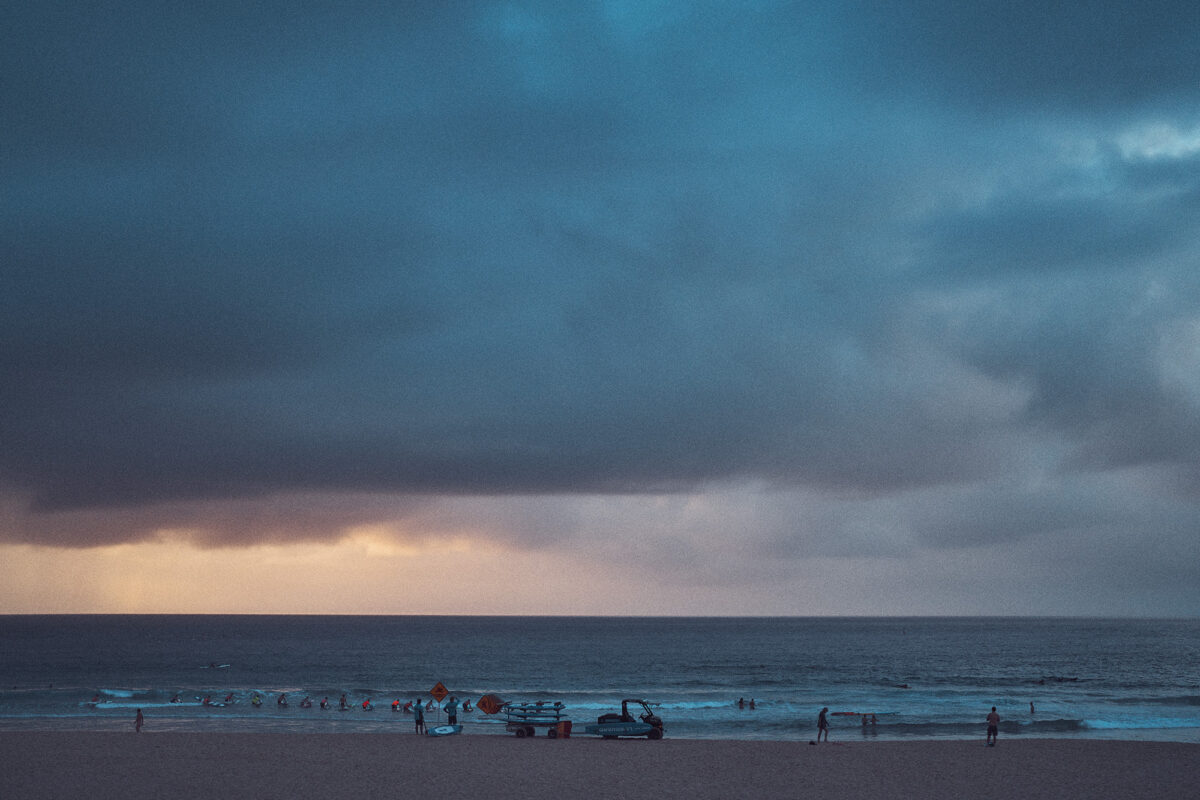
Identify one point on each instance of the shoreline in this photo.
(319, 765)
(336, 726)
(388, 724)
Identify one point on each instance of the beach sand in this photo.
(298, 766)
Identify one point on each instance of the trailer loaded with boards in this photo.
(524, 719)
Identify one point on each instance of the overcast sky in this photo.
(749, 308)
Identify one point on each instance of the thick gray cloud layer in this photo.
(935, 250)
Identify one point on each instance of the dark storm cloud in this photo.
(1055, 55)
(537, 249)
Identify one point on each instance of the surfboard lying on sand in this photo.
(444, 730)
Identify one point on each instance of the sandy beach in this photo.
(297, 766)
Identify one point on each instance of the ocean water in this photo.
(921, 677)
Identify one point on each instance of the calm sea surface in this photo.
(923, 678)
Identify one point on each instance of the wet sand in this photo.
(299, 766)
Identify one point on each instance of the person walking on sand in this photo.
(419, 716)
(138, 722)
(823, 724)
(993, 730)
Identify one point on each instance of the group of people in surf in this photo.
(411, 707)
(282, 702)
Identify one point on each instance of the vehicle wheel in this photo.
(655, 733)
(551, 733)
(520, 733)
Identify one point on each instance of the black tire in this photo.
(551, 733)
(520, 733)
(655, 733)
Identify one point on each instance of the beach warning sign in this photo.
(439, 692)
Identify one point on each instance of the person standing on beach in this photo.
(823, 724)
(138, 722)
(452, 711)
(419, 716)
(993, 730)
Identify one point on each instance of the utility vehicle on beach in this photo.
(612, 726)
